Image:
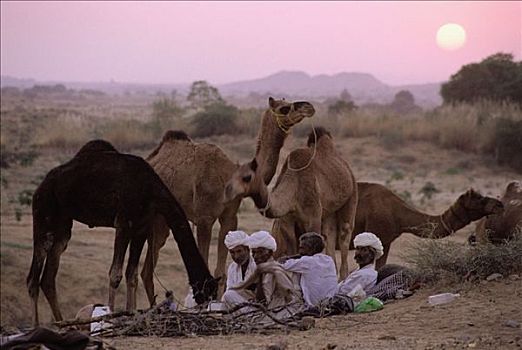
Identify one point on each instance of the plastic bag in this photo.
(368, 305)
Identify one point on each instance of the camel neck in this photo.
(270, 140)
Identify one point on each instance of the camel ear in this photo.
(253, 165)
(271, 102)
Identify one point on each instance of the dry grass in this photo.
(440, 260)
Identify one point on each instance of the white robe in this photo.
(318, 276)
(366, 277)
(235, 275)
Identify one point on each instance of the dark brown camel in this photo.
(501, 227)
(382, 212)
(102, 187)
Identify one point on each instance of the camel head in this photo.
(477, 205)
(287, 114)
(245, 182)
(205, 291)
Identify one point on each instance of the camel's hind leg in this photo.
(131, 273)
(52, 263)
(121, 242)
(160, 233)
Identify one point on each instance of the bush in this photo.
(216, 119)
(508, 142)
(436, 260)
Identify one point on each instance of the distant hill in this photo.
(363, 87)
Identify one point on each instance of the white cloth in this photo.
(235, 275)
(318, 276)
(366, 277)
(368, 239)
(235, 238)
(262, 239)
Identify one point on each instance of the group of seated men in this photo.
(297, 282)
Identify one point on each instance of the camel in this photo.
(316, 188)
(382, 212)
(196, 174)
(501, 227)
(101, 187)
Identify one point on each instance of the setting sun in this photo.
(451, 36)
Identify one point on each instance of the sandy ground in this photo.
(476, 320)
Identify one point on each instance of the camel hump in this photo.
(96, 146)
(170, 135)
(317, 133)
(173, 135)
(299, 158)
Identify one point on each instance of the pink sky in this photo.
(179, 42)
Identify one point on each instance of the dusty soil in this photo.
(476, 320)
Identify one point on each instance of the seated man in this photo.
(368, 248)
(318, 275)
(243, 264)
(274, 286)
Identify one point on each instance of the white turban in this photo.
(368, 239)
(262, 239)
(235, 238)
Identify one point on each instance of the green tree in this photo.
(216, 119)
(202, 94)
(497, 77)
(404, 102)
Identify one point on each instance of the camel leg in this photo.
(204, 232)
(131, 273)
(160, 233)
(227, 222)
(329, 231)
(344, 243)
(283, 231)
(48, 281)
(40, 250)
(121, 242)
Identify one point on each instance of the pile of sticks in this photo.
(162, 322)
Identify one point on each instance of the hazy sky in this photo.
(179, 42)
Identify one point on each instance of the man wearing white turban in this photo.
(271, 284)
(368, 248)
(243, 264)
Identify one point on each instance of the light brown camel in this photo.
(196, 174)
(503, 226)
(100, 186)
(316, 188)
(382, 212)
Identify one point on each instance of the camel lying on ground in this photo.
(503, 226)
(101, 187)
(382, 212)
(316, 188)
(196, 174)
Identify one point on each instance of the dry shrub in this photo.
(63, 133)
(439, 260)
(127, 134)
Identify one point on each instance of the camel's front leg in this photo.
(160, 233)
(227, 222)
(131, 273)
(329, 233)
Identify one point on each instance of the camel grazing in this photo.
(382, 212)
(503, 226)
(196, 174)
(101, 187)
(316, 188)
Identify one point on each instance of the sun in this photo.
(451, 36)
